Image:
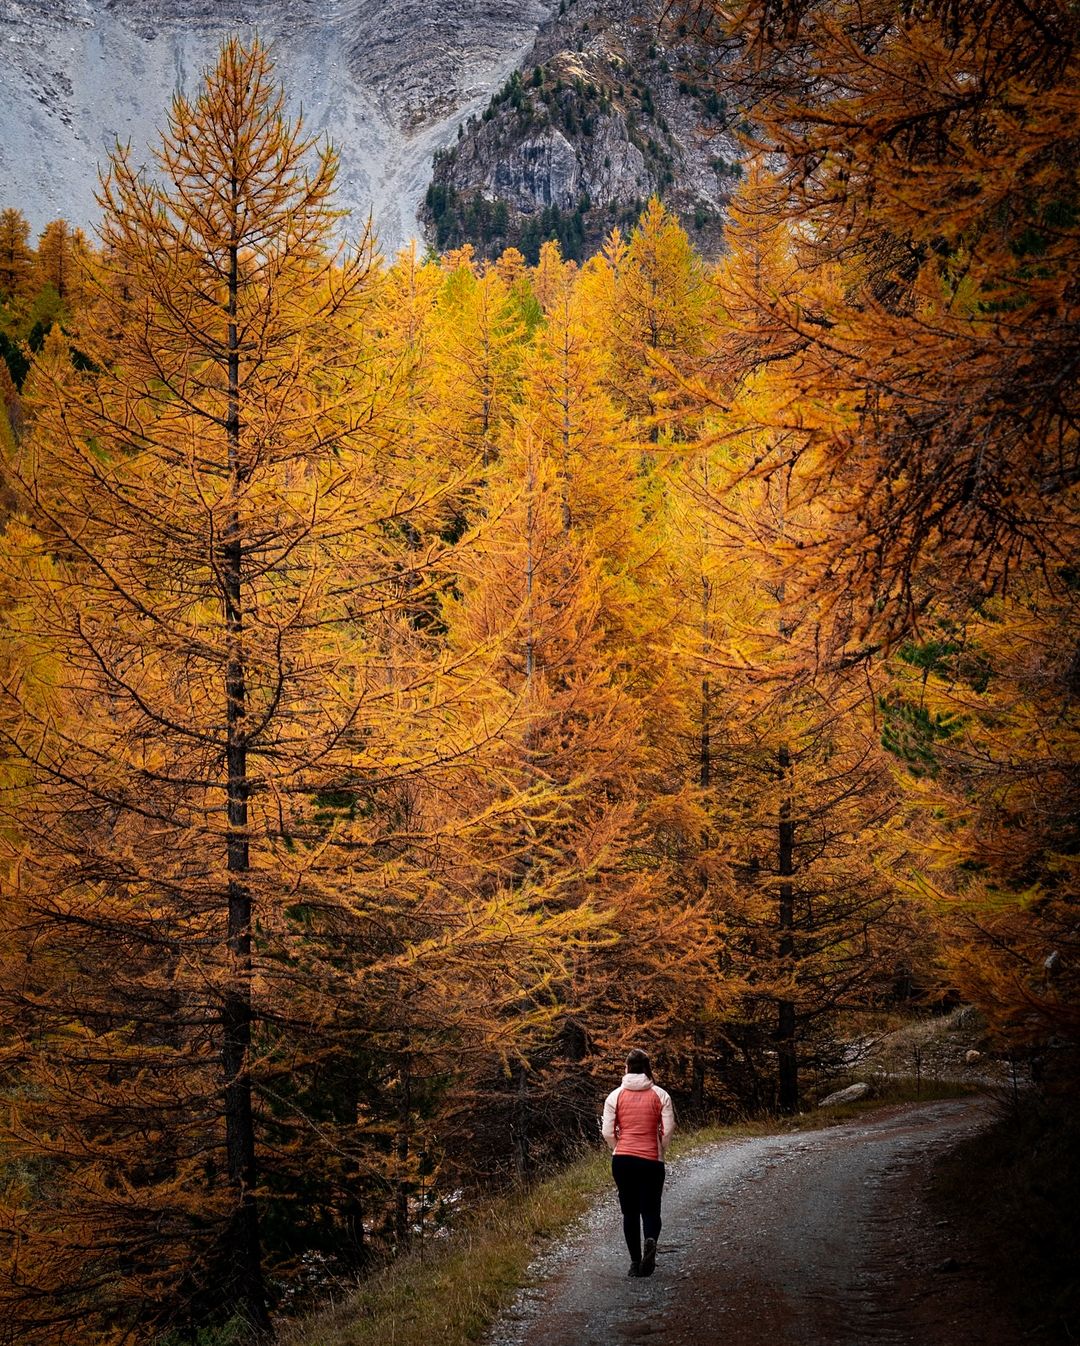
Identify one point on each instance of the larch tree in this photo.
(172, 533)
(658, 976)
(16, 257)
(402, 334)
(648, 299)
(60, 261)
(17, 321)
(929, 158)
(793, 787)
(565, 564)
(793, 791)
(477, 337)
(533, 590)
(982, 713)
(221, 720)
(10, 412)
(566, 401)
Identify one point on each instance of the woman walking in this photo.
(638, 1125)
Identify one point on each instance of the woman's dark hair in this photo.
(638, 1063)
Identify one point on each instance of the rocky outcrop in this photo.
(429, 61)
(542, 169)
(608, 108)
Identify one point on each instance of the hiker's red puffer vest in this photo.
(637, 1123)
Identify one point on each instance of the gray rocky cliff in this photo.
(541, 123)
(608, 108)
(388, 81)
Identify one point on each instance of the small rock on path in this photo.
(812, 1238)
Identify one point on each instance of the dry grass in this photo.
(453, 1292)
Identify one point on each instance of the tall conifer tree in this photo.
(226, 738)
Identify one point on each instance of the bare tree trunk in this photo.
(787, 1056)
(697, 1068)
(401, 1213)
(697, 1059)
(521, 1125)
(564, 475)
(243, 1243)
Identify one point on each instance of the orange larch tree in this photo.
(648, 301)
(926, 160)
(227, 729)
(16, 257)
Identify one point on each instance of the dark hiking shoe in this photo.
(648, 1258)
(635, 1269)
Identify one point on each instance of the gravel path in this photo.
(815, 1238)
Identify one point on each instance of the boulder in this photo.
(851, 1094)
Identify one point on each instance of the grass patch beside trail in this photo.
(1016, 1188)
(455, 1291)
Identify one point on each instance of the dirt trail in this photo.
(817, 1238)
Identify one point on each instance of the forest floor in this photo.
(827, 1237)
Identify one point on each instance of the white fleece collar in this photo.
(636, 1082)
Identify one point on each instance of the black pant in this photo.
(640, 1183)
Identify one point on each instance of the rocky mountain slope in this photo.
(388, 80)
(608, 108)
(545, 117)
